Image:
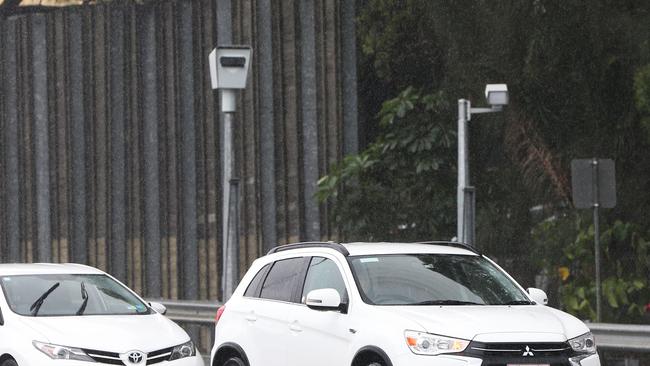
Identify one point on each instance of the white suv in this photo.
(390, 304)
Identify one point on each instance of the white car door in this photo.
(266, 314)
(320, 338)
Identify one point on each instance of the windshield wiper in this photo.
(84, 296)
(446, 302)
(519, 302)
(36, 306)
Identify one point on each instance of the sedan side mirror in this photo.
(158, 307)
(323, 299)
(537, 295)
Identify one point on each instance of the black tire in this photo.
(232, 361)
(9, 362)
(375, 364)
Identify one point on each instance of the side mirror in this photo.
(323, 299)
(158, 307)
(537, 295)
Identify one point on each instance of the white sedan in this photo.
(75, 315)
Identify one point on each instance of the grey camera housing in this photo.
(496, 94)
(229, 67)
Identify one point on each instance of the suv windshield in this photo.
(433, 279)
(69, 294)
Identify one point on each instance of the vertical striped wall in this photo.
(110, 134)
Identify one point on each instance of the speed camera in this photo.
(229, 66)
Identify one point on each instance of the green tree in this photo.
(401, 186)
(564, 248)
(578, 81)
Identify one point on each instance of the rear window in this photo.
(283, 279)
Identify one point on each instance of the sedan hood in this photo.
(526, 323)
(113, 333)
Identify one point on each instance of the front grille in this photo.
(112, 358)
(159, 356)
(501, 354)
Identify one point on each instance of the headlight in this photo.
(183, 350)
(431, 344)
(584, 343)
(57, 352)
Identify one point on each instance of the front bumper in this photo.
(593, 360)
(42, 360)
(450, 360)
(441, 360)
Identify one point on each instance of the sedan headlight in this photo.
(183, 350)
(431, 344)
(57, 352)
(584, 343)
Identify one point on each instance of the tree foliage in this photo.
(401, 186)
(579, 79)
(565, 251)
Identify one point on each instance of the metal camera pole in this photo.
(463, 175)
(228, 72)
(497, 97)
(230, 201)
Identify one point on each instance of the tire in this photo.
(9, 362)
(375, 364)
(232, 361)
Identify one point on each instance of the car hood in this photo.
(490, 323)
(114, 333)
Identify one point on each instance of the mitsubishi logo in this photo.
(528, 352)
(133, 358)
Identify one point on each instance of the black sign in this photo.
(594, 182)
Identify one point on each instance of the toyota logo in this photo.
(135, 357)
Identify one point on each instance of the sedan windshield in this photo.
(433, 279)
(68, 295)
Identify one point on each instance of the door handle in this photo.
(295, 327)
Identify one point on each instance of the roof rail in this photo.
(312, 244)
(452, 244)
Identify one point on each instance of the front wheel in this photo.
(9, 362)
(232, 361)
(375, 364)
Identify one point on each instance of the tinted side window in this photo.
(324, 273)
(282, 279)
(254, 286)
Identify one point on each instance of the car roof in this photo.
(376, 248)
(363, 248)
(13, 269)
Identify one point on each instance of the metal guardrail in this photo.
(621, 337)
(609, 337)
(194, 312)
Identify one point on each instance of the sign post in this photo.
(594, 186)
